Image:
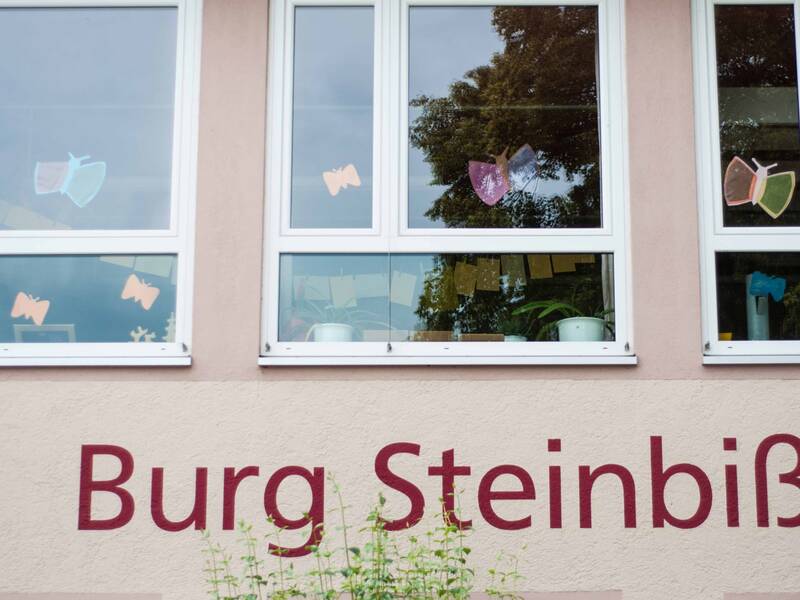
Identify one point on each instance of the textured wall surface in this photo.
(225, 411)
(341, 426)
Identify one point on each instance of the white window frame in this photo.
(177, 240)
(714, 236)
(390, 232)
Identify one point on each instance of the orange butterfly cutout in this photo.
(340, 179)
(141, 292)
(29, 307)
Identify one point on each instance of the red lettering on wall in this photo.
(231, 481)
(315, 516)
(586, 479)
(401, 485)
(660, 477)
(486, 495)
(789, 478)
(448, 472)
(731, 485)
(554, 485)
(88, 486)
(198, 514)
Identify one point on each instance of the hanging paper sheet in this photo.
(343, 291)
(447, 295)
(564, 263)
(372, 285)
(403, 286)
(312, 288)
(160, 266)
(514, 268)
(488, 278)
(466, 276)
(540, 266)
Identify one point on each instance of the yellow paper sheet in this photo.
(564, 263)
(488, 275)
(514, 267)
(447, 298)
(540, 267)
(466, 276)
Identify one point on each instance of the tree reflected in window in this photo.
(537, 86)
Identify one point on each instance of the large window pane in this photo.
(86, 117)
(332, 117)
(87, 298)
(447, 297)
(757, 78)
(758, 295)
(504, 120)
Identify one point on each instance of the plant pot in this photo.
(515, 338)
(581, 329)
(331, 332)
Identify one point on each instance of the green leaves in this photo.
(384, 566)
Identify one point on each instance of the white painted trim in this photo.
(178, 239)
(99, 361)
(477, 361)
(389, 232)
(753, 359)
(714, 237)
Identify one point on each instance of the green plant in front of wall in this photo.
(434, 565)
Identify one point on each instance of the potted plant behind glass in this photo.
(575, 325)
(331, 324)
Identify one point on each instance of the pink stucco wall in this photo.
(226, 411)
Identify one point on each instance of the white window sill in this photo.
(383, 361)
(95, 355)
(752, 359)
(96, 361)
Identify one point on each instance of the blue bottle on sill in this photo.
(757, 314)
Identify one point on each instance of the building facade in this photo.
(333, 241)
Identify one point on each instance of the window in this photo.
(97, 168)
(446, 184)
(748, 161)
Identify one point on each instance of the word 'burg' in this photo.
(448, 471)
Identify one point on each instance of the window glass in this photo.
(332, 117)
(758, 295)
(112, 298)
(758, 112)
(447, 297)
(86, 113)
(334, 298)
(503, 124)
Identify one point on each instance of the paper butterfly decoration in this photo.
(772, 193)
(141, 292)
(29, 307)
(761, 285)
(81, 183)
(340, 179)
(493, 181)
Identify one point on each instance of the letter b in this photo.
(89, 486)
